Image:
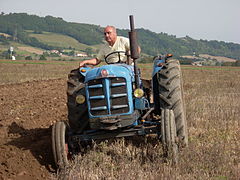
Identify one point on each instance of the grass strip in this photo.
(19, 62)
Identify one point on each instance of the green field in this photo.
(60, 40)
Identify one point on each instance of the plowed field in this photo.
(27, 111)
(33, 97)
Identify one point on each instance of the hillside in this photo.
(55, 33)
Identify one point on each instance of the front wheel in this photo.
(169, 135)
(60, 145)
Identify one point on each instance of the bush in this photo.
(237, 63)
(28, 58)
(42, 57)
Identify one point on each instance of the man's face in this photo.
(110, 35)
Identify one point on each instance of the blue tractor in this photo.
(113, 101)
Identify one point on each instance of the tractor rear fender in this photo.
(157, 66)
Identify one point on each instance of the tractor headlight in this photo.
(80, 99)
(138, 93)
(104, 73)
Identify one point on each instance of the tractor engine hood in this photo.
(108, 71)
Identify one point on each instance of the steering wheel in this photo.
(115, 57)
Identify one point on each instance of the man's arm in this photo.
(93, 61)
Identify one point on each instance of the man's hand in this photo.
(82, 64)
(89, 62)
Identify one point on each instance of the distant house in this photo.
(81, 55)
(54, 51)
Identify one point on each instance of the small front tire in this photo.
(169, 135)
(60, 145)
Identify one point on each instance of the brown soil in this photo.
(29, 109)
(27, 112)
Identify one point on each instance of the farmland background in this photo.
(33, 97)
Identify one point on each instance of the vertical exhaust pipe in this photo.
(134, 50)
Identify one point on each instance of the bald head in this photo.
(110, 35)
(112, 28)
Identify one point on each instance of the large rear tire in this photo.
(60, 145)
(168, 93)
(77, 113)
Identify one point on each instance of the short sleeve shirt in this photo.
(121, 44)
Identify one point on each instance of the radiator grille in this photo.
(108, 96)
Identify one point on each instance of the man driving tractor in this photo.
(113, 43)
